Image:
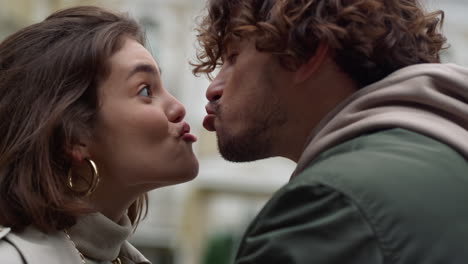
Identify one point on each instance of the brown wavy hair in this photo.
(369, 39)
(49, 73)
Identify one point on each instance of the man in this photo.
(353, 92)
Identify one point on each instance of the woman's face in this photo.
(139, 137)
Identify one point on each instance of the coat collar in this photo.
(98, 237)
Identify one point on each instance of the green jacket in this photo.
(392, 196)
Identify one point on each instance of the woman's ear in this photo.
(79, 149)
(312, 64)
(78, 152)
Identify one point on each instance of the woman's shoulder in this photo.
(33, 246)
(9, 254)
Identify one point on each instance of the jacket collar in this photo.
(430, 99)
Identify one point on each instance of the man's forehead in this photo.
(237, 42)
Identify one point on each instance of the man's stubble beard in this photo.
(257, 141)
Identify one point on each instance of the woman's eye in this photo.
(145, 91)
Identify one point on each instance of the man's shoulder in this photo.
(398, 176)
(392, 166)
(309, 216)
(384, 156)
(405, 192)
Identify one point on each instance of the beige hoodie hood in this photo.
(430, 99)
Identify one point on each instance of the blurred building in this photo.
(184, 219)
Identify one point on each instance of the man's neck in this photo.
(311, 101)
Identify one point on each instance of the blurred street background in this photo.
(199, 222)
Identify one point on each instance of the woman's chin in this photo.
(192, 169)
(190, 173)
(184, 174)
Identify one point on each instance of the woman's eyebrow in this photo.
(148, 68)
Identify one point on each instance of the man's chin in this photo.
(242, 149)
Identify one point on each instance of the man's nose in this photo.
(215, 90)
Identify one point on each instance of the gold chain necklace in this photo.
(83, 261)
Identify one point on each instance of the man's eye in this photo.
(145, 91)
(232, 58)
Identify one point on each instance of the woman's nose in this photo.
(176, 111)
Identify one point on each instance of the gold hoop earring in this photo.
(94, 182)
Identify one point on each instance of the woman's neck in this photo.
(111, 201)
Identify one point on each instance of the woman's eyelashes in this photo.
(145, 91)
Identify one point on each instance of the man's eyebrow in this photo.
(148, 68)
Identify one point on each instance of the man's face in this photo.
(246, 104)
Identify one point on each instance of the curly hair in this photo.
(369, 39)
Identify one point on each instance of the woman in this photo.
(86, 129)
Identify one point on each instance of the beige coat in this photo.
(35, 247)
